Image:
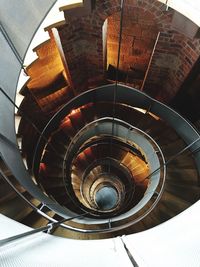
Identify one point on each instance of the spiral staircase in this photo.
(90, 158)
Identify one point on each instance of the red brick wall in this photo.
(138, 37)
(174, 56)
(82, 45)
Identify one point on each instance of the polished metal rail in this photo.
(103, 94)
(68, 227)
(27, 118)
(88, 126)
(109, 119)
(39, 210)
(174, 157)
(127, 173)
(98, 122)
(137, 97)
(48, 228)
(117, 72)
(109, 229)
(133, 261)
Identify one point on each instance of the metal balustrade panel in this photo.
(16, 15)
(21, 19)
(133, 97)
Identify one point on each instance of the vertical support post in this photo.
(150, 60)
(104, 40)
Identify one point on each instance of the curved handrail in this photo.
(98, 94)
(48, 228)
(98, 230)
(39, 211)
(129, 126)
(125, 170)
(131, 97)
(75, 142)
(101, 93)
(120, 122)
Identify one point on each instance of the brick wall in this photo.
(81, 39)
(138, 37)
(174, 56)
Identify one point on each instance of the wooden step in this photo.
(55, 160)
(7, 193)
(52, 172)
(182, 176)
(52, 182)
(16, 208)
(67, 127)
(186, 192)
(35, 220)
(80, 9)
(88, 112)
(55, 100)
(174, 203)
(172, 148)
(77, 119)
(30, 59)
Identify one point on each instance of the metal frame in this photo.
(142, 101)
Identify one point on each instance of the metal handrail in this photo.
(95, 122)
(26, 117)
(39, 211)
(117, 72)
(49, 228)
(109, 228)
(54, 221)
(85, 95)
(145, 134)
(128, 125)
(96, 163)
